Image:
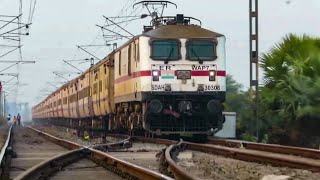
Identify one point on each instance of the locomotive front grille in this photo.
(183, 74)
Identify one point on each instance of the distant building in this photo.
(229, 126)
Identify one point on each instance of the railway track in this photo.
(34, 157)
(297, 151)
(263, 157)
(293, 157)
(125, 162)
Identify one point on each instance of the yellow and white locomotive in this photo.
(170, 79)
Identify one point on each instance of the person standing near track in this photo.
(19, 119)
(9, 118)
(14, 120)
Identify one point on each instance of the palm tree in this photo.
(292, 79)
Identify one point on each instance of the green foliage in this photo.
(238, 101)
(289, 99)
(3, 121)
(248, 137)
(292, 80)
(265, 138)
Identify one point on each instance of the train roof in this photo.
(175, 31)
(181, 31)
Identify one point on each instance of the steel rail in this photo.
(261, 153)
(145, 139)
(297, 151)
(236, 153)
(62, 142)
(257, 156)
(132, 169)
(101, 158)
(46, 168)
(117, 145)
(5, 146)
(178, 171)
(254, 154)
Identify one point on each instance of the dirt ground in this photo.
(141, 154)
(207, 166)
(3, 134)
(71, 135)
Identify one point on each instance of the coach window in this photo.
(165, 49)
(201, 50)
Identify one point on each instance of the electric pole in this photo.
(254, 60)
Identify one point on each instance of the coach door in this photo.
(102, 89)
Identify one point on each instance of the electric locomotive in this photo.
(175, 83)
(168, 80)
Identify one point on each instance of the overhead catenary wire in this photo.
(9, 80)
(31, 11)
(19, 30)
(3, 55)
(72, 66)
(8, 67)
(9, 22)
(112, 31)
(118, 25)
(126, 14)
(26, 25)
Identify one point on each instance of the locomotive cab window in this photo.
(201, 50)
(165, 50)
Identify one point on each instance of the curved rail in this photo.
(108, 161)
(145, 139)
(118, 145)
(132, 169)
(5, 146)
(257, 156)
(44, 169)
(178, 171)
(236, 153)
(99, 157)
(264, 153)
(297, 151)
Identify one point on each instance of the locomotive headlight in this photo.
(155, 75)
(212, 75)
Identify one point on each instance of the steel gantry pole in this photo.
(254, 60)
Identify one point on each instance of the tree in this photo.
(238, 101)
(292, 82)
(292, 77)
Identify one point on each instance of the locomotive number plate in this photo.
(155, 87)
(211, 87)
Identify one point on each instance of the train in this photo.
(170, 79)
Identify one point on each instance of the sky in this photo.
(58, 26)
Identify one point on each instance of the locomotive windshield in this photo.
(165, 50)
(200, 50)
